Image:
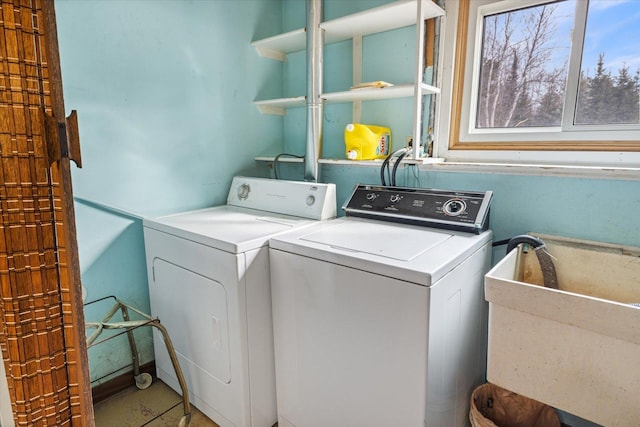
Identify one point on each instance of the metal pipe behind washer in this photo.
(315, 53)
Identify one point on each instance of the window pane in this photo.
(610, 71)
(523, 73)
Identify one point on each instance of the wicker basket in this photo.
(493, 406)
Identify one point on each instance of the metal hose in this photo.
(549, 275)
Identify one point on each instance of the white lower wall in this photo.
(6, 415)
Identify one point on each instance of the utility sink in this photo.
(576, 348)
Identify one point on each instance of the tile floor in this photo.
(157, 406)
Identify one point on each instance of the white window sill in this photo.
(580, 164)
(619, 172)
(540, 169)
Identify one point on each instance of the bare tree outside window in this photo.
(524, 68)
(524, 64)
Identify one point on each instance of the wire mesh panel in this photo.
(36, 312)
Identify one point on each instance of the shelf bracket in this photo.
(270, 109)
(271, 54)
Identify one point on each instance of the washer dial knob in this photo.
(454, 207)
(395, 198)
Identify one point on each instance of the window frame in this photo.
(576, 146)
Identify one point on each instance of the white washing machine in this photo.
(379, 323)
(209, 286)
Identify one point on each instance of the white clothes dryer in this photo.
(209, 286)
(382, 323)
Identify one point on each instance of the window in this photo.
(544, 75)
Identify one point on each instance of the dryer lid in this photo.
(228, 228)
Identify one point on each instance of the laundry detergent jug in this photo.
(366, 142)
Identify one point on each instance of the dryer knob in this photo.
(243, 191)
(310, 200)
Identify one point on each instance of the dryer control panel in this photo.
(303, 199)
(454, 210)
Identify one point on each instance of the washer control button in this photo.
(311, 200)
(371, 196)
(395, 198)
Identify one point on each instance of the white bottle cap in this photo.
(352, 154)
(350, 127)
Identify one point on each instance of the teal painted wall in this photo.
(164, 93)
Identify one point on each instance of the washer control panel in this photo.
(455, 210)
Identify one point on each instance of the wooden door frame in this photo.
(68, 217)
(43, 334)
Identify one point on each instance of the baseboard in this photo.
(119, 383)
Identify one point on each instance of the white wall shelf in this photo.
(373, 94)
(279, 106)
(391, 16)
(398, 14)
(283, 159)
(278, 46)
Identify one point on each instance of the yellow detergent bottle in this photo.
(366, 142)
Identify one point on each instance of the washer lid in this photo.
(228, 228)
(383, 240)
(406, 252)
